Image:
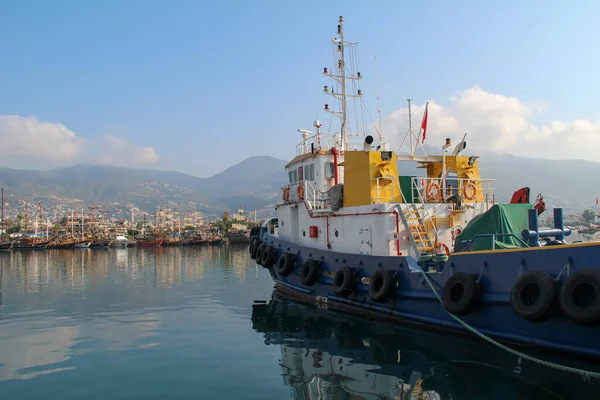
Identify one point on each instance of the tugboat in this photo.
(435, 249)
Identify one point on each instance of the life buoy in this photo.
(382, 285)
(442, 247)
(286, 193)
(580, 297)
(300, 191)
(532, 295)
(285, 265)
(461, 293)
(344, 281)
(309, 274)
(433, 191)
(470, 191)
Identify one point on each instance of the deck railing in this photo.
(431, 190)
(318, 141)
(314, 198)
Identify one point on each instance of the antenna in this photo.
(341, 78)
(380, 128)
(410, 129)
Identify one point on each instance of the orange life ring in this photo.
(470, 191)
(286, 193)
(444, 247)
(435, 195)
(300, 191)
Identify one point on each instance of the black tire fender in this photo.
(259, 251)
(579, 297)
(253, 247)
(461, 294)
(532, 295)
(268, 257)
(310, 271)
(285, 264)
(344, 281)
(382, 285)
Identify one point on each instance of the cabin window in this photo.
(293, 177)
(329, 170)
(312, 172)
(300, 174)
(306, 173)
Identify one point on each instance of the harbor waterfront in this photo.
(204, 322)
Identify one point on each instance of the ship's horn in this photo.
(368, 141)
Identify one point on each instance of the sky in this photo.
(198, 86)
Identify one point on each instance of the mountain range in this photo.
(254, 182)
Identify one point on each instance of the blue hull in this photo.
(414, 300)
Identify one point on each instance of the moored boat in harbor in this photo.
(436, 249)
(119, 241)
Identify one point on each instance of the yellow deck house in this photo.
(370, 177)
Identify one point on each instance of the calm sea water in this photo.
(204, 323)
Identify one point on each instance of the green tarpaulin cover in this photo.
(501, 218)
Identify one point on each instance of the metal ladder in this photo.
(414, 224)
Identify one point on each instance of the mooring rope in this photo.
(583, 372)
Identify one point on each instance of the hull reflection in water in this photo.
(327, 354)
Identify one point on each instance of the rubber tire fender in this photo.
(285, 265)
(259, 251)
(578, 285)
(381, 285)
(532, 295)
(310, 271)
(461, 294)
(253, 247)
(344, 281)
(268, 257)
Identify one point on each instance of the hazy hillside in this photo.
(254, 182)
(249, 184)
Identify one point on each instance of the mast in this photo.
(3, 211)
(379, 125)
(410, 129)
(342, 68)
(342, 79)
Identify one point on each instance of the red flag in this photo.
(596, 200)
(424, 123)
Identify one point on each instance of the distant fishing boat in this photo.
(82, 245)
(149, 241)
(99, 244)
(119, 242)
(169, 241)
(216, 241)
(239, 237)
(29, 244)
(6, 245)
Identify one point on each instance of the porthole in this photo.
(336, 233)
(303, 232)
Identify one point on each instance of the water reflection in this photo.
(58, 307)
(326, 354)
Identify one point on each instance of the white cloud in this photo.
(119, 151)
(31, 138)
(29, 142)
(498, 123)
